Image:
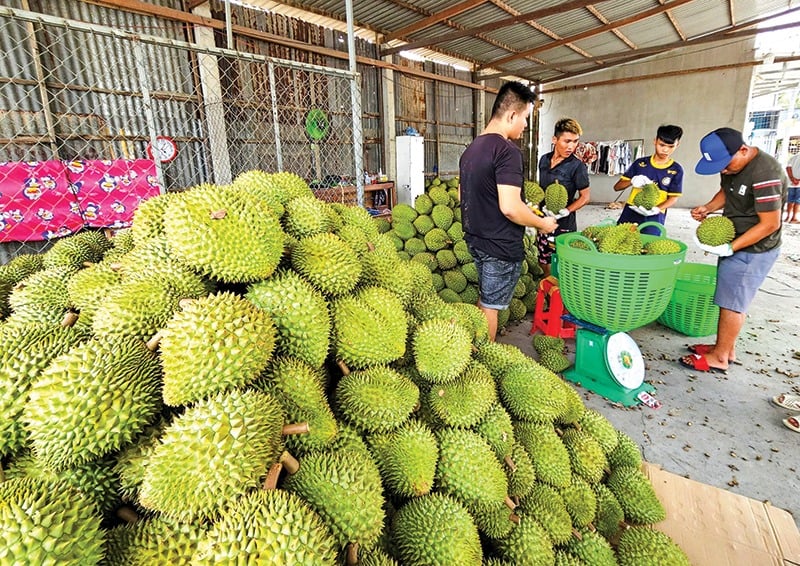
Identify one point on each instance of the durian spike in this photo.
(219, 214)
(514, 518)
(510, 503)
(127, 514)
(343, 367)
(152, 344)
(69, 319)
(271, 481)
(352, 554)
(510, 463)
(289, 462)
(295, 428)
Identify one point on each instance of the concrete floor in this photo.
(721, 430)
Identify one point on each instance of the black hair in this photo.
(512, 95)
(669, 133)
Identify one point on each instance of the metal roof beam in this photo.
(433, 19)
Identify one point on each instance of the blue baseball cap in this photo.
(718, 148)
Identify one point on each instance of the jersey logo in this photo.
(742, 190)
(666, 181)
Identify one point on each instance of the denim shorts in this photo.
(496, 279)
(739, 276)
(794, 195)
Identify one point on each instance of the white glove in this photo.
(645, 211)
(722, 250)
(640, 181)
(557, 215)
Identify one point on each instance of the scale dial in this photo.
(164, 147)
(624, 360)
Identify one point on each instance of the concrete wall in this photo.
(698, 102)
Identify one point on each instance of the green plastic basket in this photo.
(691, 310)
(615, 291)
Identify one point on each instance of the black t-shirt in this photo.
(573, 174)
(490, 160)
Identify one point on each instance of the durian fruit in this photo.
(290, 185)
(214, 344)
(495, 521)
(533, 192)
(268, 527)
(554, 361)
(92, 400)
(423, 223)
(497, 429)
(148, 218)
(499, 357)
(383, 268)
(549, 455)
(153, 541)
(662, 246)
(468, 469)
(580, 501)
(20, 267)
(299, 312)
(206, 225)
(442, 349)
(88, 287)
(463, 402)
(327, 262)
(344, 487)
(41, 297)
(76, 250)
(647, 196)
(520, 472)
(442, 216)
(542, 342)
(592, 548)
(626, 453)
(473, 320)
(47, 523)
(266, 188)
(407, 458)
(301, 390)
(423, 204)
(645, 546)
(222, 446)
(131, 462)
(306, 216)
(437, 239)
(600, 428)
(609, 514)
(545, 504)
(555, 197)
(586, 455)
(369, 327)
(435, 530)
(404, 213)
(564, 558)
(527, 545)
(636, 496)
(715, 230)
(25, 351)
(376, 399)
(532, 393)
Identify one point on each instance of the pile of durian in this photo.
(249, 375)
(430, 232)
(624, 239)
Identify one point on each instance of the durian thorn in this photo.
(271, 481)
(576, 533)
(343, 367)
(218, 214)
(510, 503)
(70, 318)
(295, 428)
(510, 463)
(352, 554)
(514, 518)
(289, 462)
(127, 514)
(153, 343)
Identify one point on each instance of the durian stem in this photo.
(294, 428)
(69, 319)
(352, 554)
(289, 462)
(577, 534)
(271, 481)
(127, 514)
(218, 214)
(514, 518)
(2, 474)
(510, 463)
(152, 344)
(343, 367)
(510, 503)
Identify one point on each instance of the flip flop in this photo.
(787, 401)
(699, 363)
(701, 349)
(793, 423)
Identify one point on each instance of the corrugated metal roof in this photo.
(570, 38)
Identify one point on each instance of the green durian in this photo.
(407, 458)
(376, 399)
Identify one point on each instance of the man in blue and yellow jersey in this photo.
(660, 169)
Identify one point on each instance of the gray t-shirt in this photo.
(760, 187)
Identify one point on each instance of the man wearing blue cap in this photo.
(753, 187)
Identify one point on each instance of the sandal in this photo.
(699, 363)
(701, 349)
(787, 401)
(793, 423)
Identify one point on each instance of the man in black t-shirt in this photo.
(493, 212)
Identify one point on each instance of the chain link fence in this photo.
(89, 95)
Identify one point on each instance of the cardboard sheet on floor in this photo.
(715, 527)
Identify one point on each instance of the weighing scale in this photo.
(609, 364)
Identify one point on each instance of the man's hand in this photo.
(723, 250)
(645, 211)
(640, 181)
(548, 224)
(557, 215)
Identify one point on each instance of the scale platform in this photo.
(609, 364)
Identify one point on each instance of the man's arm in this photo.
(514, 209)
(792, 178)
(622, 184)
(768, 222)
(671, 200)
(581, 201)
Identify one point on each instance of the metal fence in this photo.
(70, 90)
